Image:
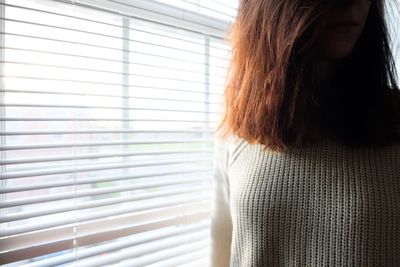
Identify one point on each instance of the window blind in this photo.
(107, 116)
(393, 16)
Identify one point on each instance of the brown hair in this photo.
(271, 97)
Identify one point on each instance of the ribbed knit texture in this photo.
(322, 205)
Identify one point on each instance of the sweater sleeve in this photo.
(221, 224)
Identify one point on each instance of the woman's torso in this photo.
(322, 205)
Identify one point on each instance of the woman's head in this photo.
(341, 27)
(273, 96)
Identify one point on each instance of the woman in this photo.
(307, 168)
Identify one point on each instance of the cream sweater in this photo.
(322, 205)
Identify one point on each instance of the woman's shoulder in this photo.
(231, 145)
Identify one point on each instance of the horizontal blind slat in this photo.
(118, 84)
(104, 95)
(110, 131)
(22, 174)
(99, 71)
(167, 99)
(100, 215)
(97, 156)
(102, 119)
(131, 142)
(99, 179)
(100, 107)
(23, 91)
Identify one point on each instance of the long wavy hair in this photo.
(271, 95)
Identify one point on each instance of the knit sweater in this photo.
(325, 204)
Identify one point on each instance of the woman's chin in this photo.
(337, 50)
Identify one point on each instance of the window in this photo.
(393, 13)
(107, 113)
